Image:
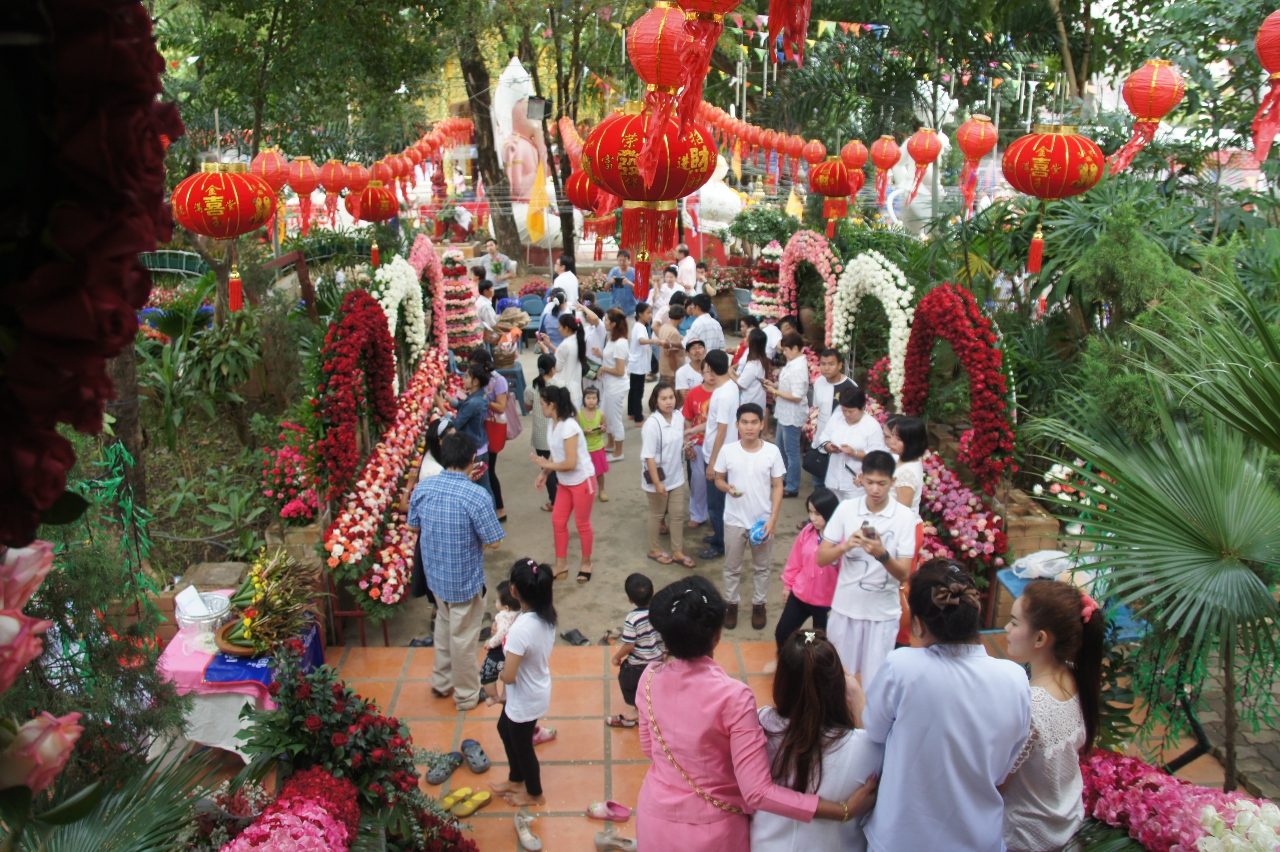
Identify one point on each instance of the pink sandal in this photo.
(610, 811)
(543, 735)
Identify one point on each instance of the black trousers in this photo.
(494, 485)
(517, 740)
(635, 398)
(552, 482)
(795, 613)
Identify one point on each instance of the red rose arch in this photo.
(950, 312)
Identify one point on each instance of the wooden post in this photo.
(304, 280)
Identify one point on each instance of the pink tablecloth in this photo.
(184, 665)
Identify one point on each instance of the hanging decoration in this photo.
(223, 201)
(273, 168)
(1267, 121)
(333, 178)
(854, 157)
(357, 179)
(814, 152)
(1150, 93)
(790, 19)
(656, 44)
(385, 175)
(831, 180)
(686, 162)
(1051, 163)
(597, 206)
(885, 154)
(975, 138)
(924, 146)
(704, 22)
(304, 178)
(872, 274)
(374, 204)
(572, 141)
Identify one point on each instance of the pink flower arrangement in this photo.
(961, 518)
(22, 571)
(297, 825)
(423, 258)
(286, 479)
(813, 247)
(38, 752)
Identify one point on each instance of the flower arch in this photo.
(813, 247)
(425, 261)
(395, 286)
(871, 274)
(950, 312)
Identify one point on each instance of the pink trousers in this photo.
(576, 500)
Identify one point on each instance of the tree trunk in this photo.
(1068, 64)
(559, 171)
(123, 370)
(476, 76)
(1229, 720)
(222, 273)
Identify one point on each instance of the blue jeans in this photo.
(715, 508)
(789, 443)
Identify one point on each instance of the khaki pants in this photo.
(457, 638)
(736, 541)
(674, 503)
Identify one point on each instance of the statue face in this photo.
(520, 119)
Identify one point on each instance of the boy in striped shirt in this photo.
(640, 645)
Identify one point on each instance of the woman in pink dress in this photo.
(700, 728)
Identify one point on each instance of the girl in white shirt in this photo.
(755, 369)
(662, 447)
(576, 490)
(907, 438)
(570, 365)
(815, 746)
(1060, 632)
(527, 674)
(613, 381)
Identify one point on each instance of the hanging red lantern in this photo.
(304, 177)
(597, 206)
(686, 162)
(385, 173)
(885, 154)
(769, 142)
(374, 204)
(790, 19)
(924, 146)
(223, 201)
(704, 22)
(1051, 163)
(358, 178)
(1267, 121)
(795, 147)
(656, 45)
(271, 166)
(814, 152)
(975, 138)
(1150, 93)
(333, 179)
(831, 179)
(854, 156)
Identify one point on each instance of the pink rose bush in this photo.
(314, 813)
(808, 246)
(964, 526)
(39, 750)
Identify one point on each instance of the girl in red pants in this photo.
(571, 463)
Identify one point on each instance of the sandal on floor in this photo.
(620, 721)
(471, 805)
(529, 841)
(473, 753)
(442, 767)
(687, 562)
(543, 735)
(454, 797)
(606, 842)
(548, 507)
(663, 558)
(609, 811)
(559, 575)
(584, 576)
(575, 637)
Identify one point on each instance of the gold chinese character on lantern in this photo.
(1087, 176)
(214, 205)
(695, 160)
(606, 162)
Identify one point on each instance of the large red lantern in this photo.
(374, 204)
(384, 173)
(1050, 163)
(223, 201)
(924, 146)
(686, 162)
(885, 154)
(975, 138)
(854, 156)
(358, 178)
(1267, 121)
(704, 22)
(304, 177)
(656, 45)
(333, 179)
(1150, 93)
(831, 179)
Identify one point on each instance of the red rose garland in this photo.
(90, 198)
(358, 346)
(950, 312)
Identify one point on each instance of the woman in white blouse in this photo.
(576, 490)
(907, 438)
(754, 370)
(614, 382)
(662, 475)
(847, 438)
(570, 366)
(952, 720)
(1060, 632)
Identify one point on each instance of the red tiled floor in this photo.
(493, 833)
(762, 686)
(624, 744)
(572, 788)
(627, 779)
(417, 702)
(380, 691)
(757, 654)
(577, 698)
(436, 735)
(576, 739)
(485, 731)
(333, 655)
(374, 663)
(727, 656)
(578, 662)
(570, 834)
(420, 663)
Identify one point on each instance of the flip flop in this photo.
(610, 811)
(471, 805)
(620, 721)
(584, 576)
(663, 558)
(454, 797)
(473, 753)
(575, 637)
(686, 562)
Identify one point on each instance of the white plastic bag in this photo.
(1042, 565)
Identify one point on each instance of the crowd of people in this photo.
(890, 729)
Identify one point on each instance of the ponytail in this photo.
(559, 397)
(533, 583)
(546, 363)
(1059, 610)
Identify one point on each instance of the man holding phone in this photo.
(874, 537)
(622, 279)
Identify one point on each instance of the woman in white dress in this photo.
(1060, 632)
(907, 438)
(754, 370)
(570, 366)
(814, 746)
(614, 381)
(952, 720)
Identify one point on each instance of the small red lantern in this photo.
(885, 154)
(831, 179)
(1150, 93)
(854, 156)
(924, 146)
(358, 178)
(704, 22)
(975, 138)
(1267, 121)
(656, 46)
(814, 152)
(795, 147)
(304, 177)
(1050, 163)
(333, 179)
(271, 166)
(376, 203)
(769, 142)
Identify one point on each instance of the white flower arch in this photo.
(395, 285)
(871, 274)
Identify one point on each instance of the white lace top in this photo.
(1042, 802)
(910, 475)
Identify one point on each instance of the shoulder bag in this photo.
(662, 474)
(657, 733)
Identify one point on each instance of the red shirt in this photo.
(696, 400)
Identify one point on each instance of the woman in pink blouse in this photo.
(700, 728)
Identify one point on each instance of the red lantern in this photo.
(1267, 122)
(1150, 93)
(374, 204)
(223, 201)
(814, 152)
(885, 154)
(357, 179)
(795, 147)
(656, 45)
(769, 142)
(304, 177)
(333, 179)
(686, 161)
(704, 22)
(594, 202)
(924, 146)
(271, 166)
(413, 155)
(975, 138)
(1050, 163)
(854, 156)
(385, 173)
(831, 179)
(791, 19)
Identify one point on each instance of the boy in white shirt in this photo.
(690, 375)
(750, 472)
(721, 430)
(874, 537)
(826, 390)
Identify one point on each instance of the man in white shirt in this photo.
(484, 303)
(722, 429)
(690, 375)
(772, 337)
(848, 438)
(826, 391)
(874, 537)
(705, 327)
(688, 270)
(750, 472)
(791, 408)
(566, 279)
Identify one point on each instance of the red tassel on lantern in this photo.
(924, 146)
(642, 274)
(235, 291)
(1037, 252)
(885, 154)
(374, 256)
(1267, 121)
(1150, 93)
(656, 46)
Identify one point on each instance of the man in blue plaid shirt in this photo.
(455, 521)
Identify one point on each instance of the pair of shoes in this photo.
(758, 617)
(529, 841)
(711, 553)
(612, 459)
(606, 842)
(730, 616)
(790, 493)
